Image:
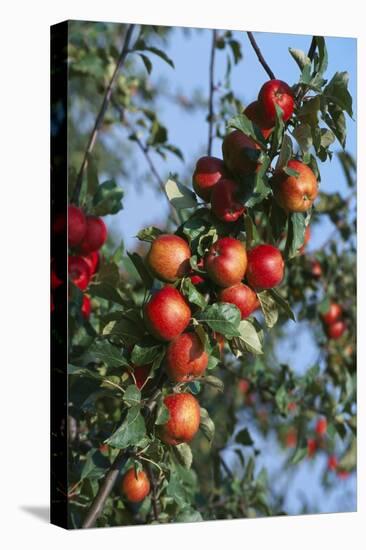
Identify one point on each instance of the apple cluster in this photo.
(334, 324)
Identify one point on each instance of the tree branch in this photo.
(261, 59)
(154, 499)
(108, 483)
(100, 116)
(212, 89)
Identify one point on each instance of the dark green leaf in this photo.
(107, 199)
(269, 308)
(149, 234)
(281, 302)
(141, 269)
(223, 318)
(243, 438)
(132, 396)
(131, 431)
(106, 353)
(183, 454)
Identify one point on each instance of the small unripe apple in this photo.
(186, 358)
(168, 258)
(208, 171)
(242, 297)
(167, 314)
(95, 235)
(336, 330)
(240, 154)
(265, 267)
(333, 314)
(321, 426)
(224, 202)
(76, 225)
(184, 419)
(86, 307)
(79, 272)
(256, 114)
(226, 262)
(93, 260)
(135, 485)
(295, 193)
(276, 92)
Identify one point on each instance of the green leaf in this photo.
(141, 269)
(106, 291)
(214, 382)
(107, 199)
(183, 454)
(95, 465)
(131, 431)
(145, 353)
(132, 396)
(299, 455)
(81, 371)
(281, 302)
(179, 195)
(206, 425)
(336, 121)
(285, 152)
(322, 63)
(162, 412)
(192, 294)
(147, 62)
(303, 136)
(236, 50)
(249, 337)
(223, 318)
(281, 399)
(244, 124)
(336, 91)
(300, 57)
(243, 438)
(149, 234)
(187, 515)
(295, 233)
(124, 329)
(269, 308)
(106, 353)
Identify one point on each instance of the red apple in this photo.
(76, 224)
(316, 269)
(321, 426)
(184, 419)
(336, 330)
(244, 386)
(226, 262)
(79, 272)
(332, 462)
(312, 447)
(291, 438)
(255, 113)
(333, 314)
(86, 307)
(186, 358)
(168, 258)
(240, 153)
(135, 485)
(209, 170)
(224, 203)
(265, 267)
(295, 193)
(167, 314)
(95, 235)
(241, 296)
(276, 92)
(93, 260)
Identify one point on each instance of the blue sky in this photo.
(143, 206)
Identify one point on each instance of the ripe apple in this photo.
(276, 92)
(265, 267)
(135, 485)
(93, 260)
(316, 269)
(295, 193)
(336, 330)
(224, 203)
(168, 258)
(196, 278)
(332, 462)
(244, 386)
(79, 272)
(255, 113)
(95, 235)
(186, 358)
(312, 447)
(241, 296)
(333, 314)
(76, 225)
(226, 262)
(141, 374)
(220, 340)
(184, 419)
(291, 438)
(167, 314)
(342, 474)
(209, 170)
(86, 307)
(240, 153)
(321, 426)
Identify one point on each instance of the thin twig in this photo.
(212, 89)
(154, 499)
(261, 59)
(145, 151)
(102, 111)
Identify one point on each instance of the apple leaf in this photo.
(183, 454)
(269, 308)
(179, 195)
(206, 425)
(131, 431)
(149, 234)
(223, 318)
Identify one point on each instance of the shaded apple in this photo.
(186, 358)
(242, 296)
(240, 153)
(224, 202)
(208, 171)
(256, 114)
(76, 225)
(79, 272)
(95, 235)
